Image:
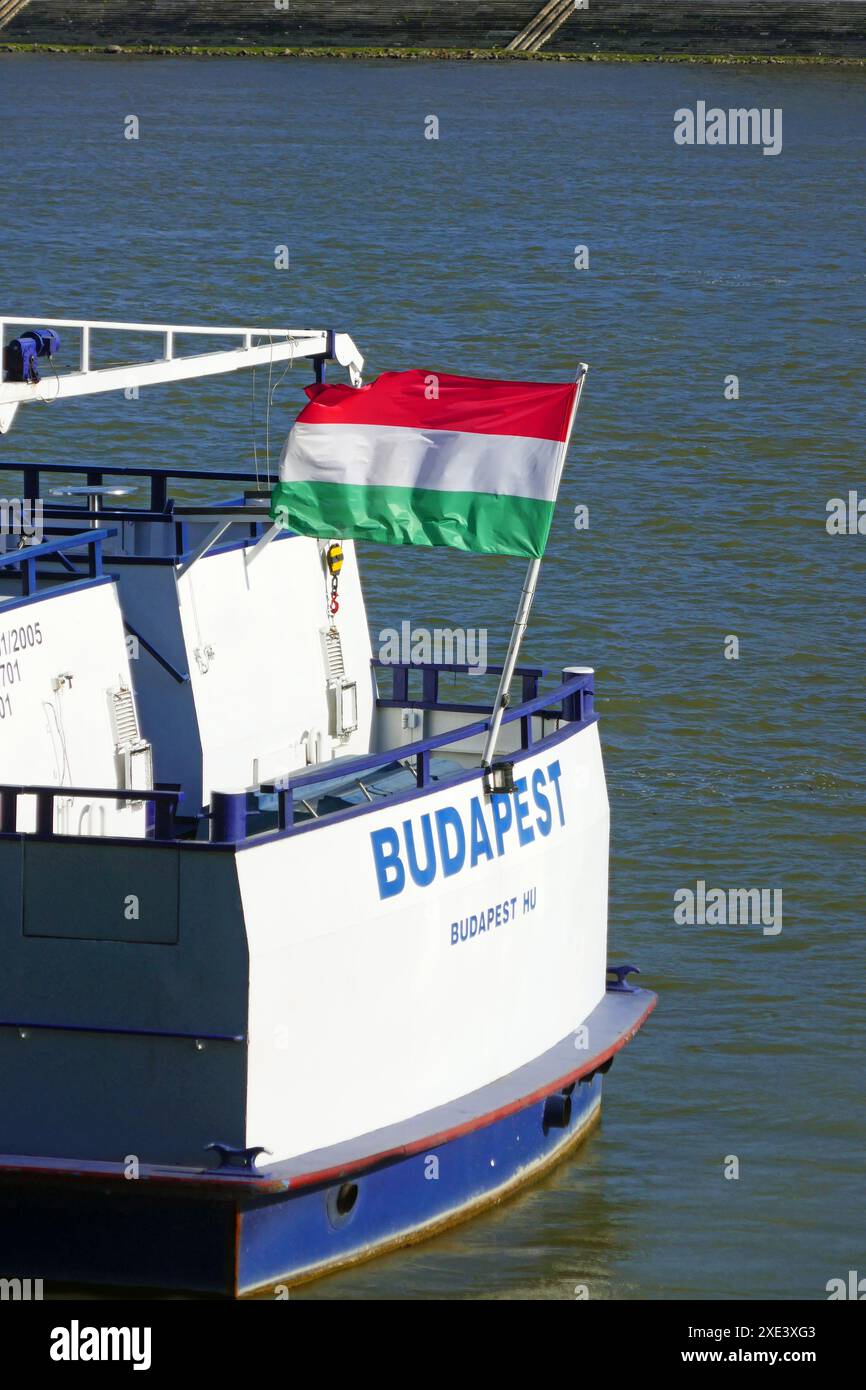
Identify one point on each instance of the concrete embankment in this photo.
(653, 27)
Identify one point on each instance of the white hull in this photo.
(373, 995)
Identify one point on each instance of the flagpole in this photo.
(521, 620)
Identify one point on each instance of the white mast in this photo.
(521, 620)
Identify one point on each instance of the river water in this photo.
(706, 522)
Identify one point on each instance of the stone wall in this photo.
(654, 26)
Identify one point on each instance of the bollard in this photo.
(579, 705)
(228, 817)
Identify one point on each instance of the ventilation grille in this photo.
(134, 754)
(124, 718)
(333, 655)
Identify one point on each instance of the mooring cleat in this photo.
(621, 983)
(237, 1158)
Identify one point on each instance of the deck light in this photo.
(499, 779)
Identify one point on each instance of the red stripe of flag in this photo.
(476, 405)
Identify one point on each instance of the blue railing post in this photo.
(31, 484)
(165, 810)
(158, 492)
(430, 684)
(9, 810)
(400, 684)
(579, 705)
(95, 558)
(286, 807)
(228, 812)
(422, 768)
(45, 812)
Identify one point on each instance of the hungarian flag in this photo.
(422, 458)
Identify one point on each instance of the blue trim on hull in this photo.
(288, 1240)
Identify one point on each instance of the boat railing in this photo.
(160, 508)
(25, 558)
(570, 702)
(180, 518)
(162, 802)
(94, 475)
(430, 672)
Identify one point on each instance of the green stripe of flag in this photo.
(386, 515)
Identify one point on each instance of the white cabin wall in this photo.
(65, 735)
(252, 631)
(363, 1012)
(398, 727)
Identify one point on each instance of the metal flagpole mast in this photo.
(521, 620)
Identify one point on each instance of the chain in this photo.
(334, 558)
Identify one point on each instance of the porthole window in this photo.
(341, 1203)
